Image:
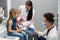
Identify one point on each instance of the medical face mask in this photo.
(43, 24)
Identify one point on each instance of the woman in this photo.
(51, 31)
(27, 13)
(12, 27)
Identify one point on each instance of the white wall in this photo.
(8, 6)
(59, 18)
(59, 15)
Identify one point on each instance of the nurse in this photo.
(27, 15)
(51, 31)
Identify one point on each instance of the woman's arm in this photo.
(33, 16)
(41, 33)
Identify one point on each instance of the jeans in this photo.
(21, 35)
(41, 38)
(31, 34)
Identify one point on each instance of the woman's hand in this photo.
(36, 31)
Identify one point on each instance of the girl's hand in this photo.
(19, 22)
(19, 30)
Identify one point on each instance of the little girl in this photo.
(12, 27)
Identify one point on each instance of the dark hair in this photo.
(30, 13)
(49, 17)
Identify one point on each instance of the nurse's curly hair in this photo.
(49, 17)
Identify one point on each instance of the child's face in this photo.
(17, 13)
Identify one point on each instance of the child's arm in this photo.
(19, 30)
(10, 26)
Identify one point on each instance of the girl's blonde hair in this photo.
(11, 13)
